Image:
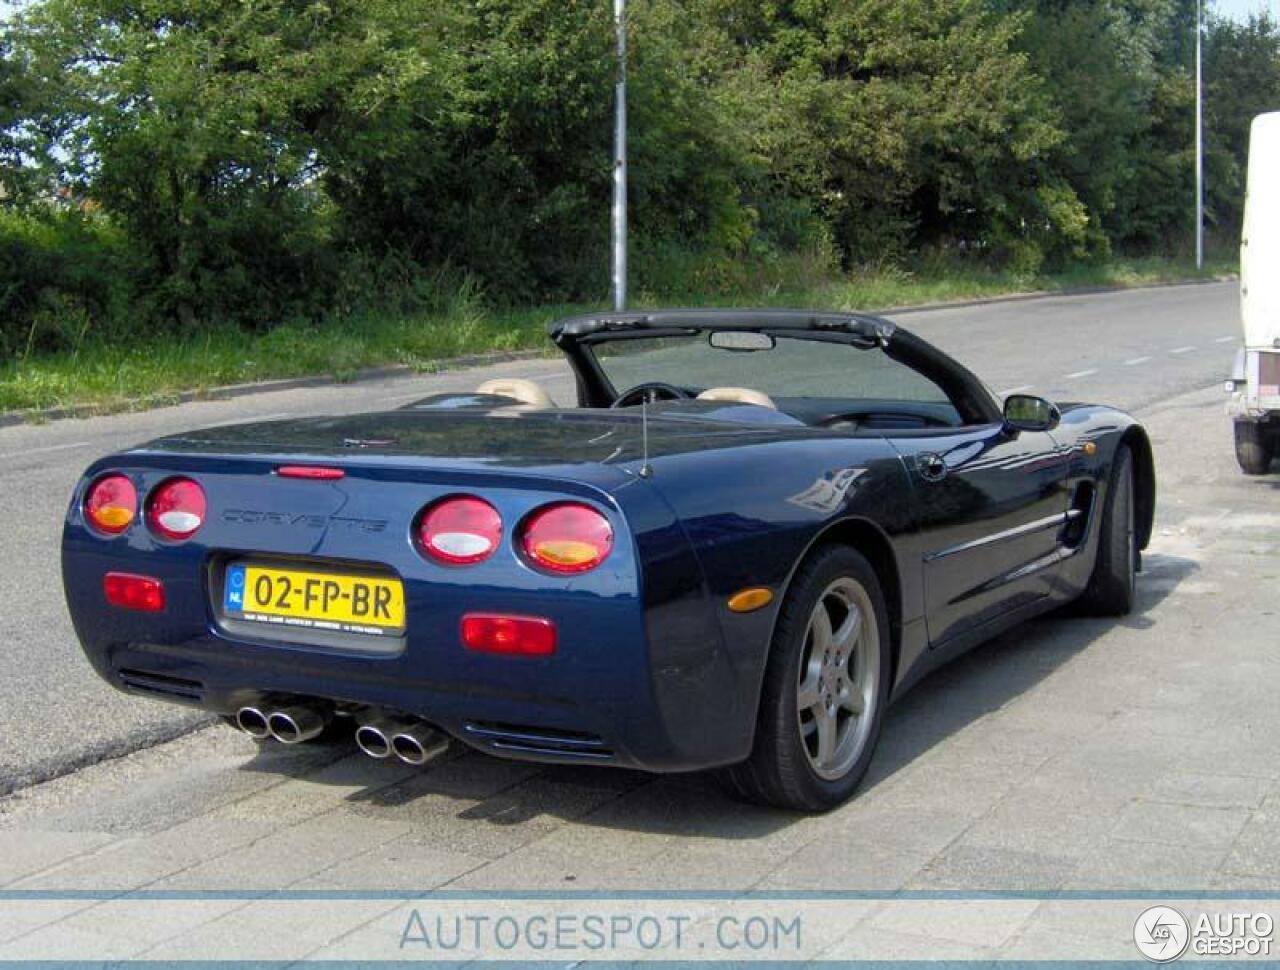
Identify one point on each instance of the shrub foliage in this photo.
(191, 164)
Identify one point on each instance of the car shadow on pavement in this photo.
(994, 674)
(470, 787)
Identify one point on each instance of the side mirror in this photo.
(1026, 412)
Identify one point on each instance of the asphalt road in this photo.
(1131, 349)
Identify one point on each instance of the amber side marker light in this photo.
(746, 600)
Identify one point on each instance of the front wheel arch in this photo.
(1144, 481)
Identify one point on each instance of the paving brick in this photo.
(24, 853)
(1211, 791)
(1145, 865)
(981, 924)
(984, 867)
(287, 855)
(1256, 850)
(1183, 825)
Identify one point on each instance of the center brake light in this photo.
(176, 509)
(460, 530)
(319, 473)
(567, 537)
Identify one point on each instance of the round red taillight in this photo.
(111, 503)
(567, 538)
(460, 531)
(176, 509)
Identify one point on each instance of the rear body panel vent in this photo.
(149, 682)
(544, 742)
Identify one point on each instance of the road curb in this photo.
(229, 391)
(1047, 294)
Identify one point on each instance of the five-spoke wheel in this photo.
(825, 689)
(839, 671)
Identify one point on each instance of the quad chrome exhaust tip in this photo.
(253, 722)
(372, 739)
(419, 743)
(413, 742)
(292, 724)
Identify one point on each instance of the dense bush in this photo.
(193, 163)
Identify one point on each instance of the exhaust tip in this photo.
(293, 725)
(253, 722)
(419, 746)
(372, 741)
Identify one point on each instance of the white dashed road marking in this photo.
(47, 448)
(1223, 340)
(1181, 350)
(1080, 373)
(1136, 361)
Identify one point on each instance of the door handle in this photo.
(932, 466)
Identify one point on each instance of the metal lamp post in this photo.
(620, 161)
(1199, 140)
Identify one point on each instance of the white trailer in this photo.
(1255, 378)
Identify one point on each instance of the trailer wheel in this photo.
(1254, 450)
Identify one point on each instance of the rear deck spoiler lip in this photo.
(602, 481)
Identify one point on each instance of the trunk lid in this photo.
(592, 446)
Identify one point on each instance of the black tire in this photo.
(779, 771)
(1111, 589)
(1254, 450)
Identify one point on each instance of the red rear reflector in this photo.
(460, 531)
(314, 472)
(176, 509)
(567, 538)
(131, 592)
(111, 504)
(525, 636)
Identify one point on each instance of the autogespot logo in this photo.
(1162, 934)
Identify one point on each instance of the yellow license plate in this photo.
(340, 602)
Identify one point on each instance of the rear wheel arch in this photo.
(867, 538)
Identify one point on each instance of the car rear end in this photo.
(503, 606)
(1254, 384)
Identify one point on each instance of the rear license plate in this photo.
(314, 599)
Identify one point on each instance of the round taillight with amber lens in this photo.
(567, 538)
(460, 531)
(111, 503)
(176, 509)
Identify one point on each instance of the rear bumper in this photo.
(638, 678)
(597, 700)
(562, 720)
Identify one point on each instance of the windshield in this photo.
(792, 367)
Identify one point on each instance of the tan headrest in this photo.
(525, 391)
(743, 395)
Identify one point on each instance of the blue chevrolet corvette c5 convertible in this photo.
(751, 532)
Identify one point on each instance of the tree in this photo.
(1242, 72)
